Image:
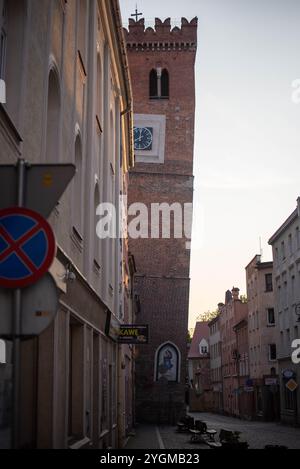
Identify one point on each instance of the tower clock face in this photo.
(143, 138)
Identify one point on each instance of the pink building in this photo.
(235, 357)
(199, 369)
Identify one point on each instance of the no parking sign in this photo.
(27, 247)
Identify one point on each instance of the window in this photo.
(99, 93)
(2, 352)
(153, 84)
(78, 187)
(53, 118)
(298, 237)
(269, 282)
(13, 18)
(204, 350)
(165, 84)
(271, 316)
(82, 28)
(3, 37)
(290, 245)
(283, 250)
(159, 84)
(97, 241)
(272, 352)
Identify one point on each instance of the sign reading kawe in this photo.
(135, 335)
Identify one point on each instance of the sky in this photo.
(247, 139)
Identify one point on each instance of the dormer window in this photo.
(203, 347)
(159, 84)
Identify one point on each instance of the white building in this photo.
(286, 254)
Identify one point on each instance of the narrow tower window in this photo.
(165, 84)
(153, 84)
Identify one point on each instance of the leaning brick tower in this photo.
(162, 67)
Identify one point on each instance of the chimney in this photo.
(228, 297)
(298, 203)
(235, 293)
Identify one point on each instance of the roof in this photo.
(201, 332)
(284, 227)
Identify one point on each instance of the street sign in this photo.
(288, 374)
(27, 247)
(134, 335)
(291, 385)
(39, 308)
(45, 184)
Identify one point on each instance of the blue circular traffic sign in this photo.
(27, 247)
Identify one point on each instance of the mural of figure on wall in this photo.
(167, 364)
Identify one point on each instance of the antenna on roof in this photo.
(260, 247)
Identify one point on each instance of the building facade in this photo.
(233, 323)
(200, 398)
(69, 101)
(162, 62)
(263, 339)
(286, 256)
(215, 345)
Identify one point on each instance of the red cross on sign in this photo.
(27, 247)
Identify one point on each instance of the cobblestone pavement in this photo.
(257, 434)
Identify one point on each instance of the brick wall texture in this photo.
(163, 265)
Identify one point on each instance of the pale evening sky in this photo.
(247, 139)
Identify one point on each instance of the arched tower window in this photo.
(53, 117)
(153, 84)
(165, 84)
(159, 84)
(167, 363)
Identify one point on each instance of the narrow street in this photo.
(257, 434)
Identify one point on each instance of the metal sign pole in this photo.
(17, 308)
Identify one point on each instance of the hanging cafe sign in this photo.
(134, 335)
(126, 333)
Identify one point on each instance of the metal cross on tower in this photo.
(136, 14)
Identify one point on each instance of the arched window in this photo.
(3, 358)
(153, 84)
(3, 37)
(159, 84)
(82, 29)
(78, 186)
(12, 22)
(53, 118)
(99, 94)
(97, 241)
(167, 363)
(165, 84)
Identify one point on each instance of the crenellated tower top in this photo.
(162, 36)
